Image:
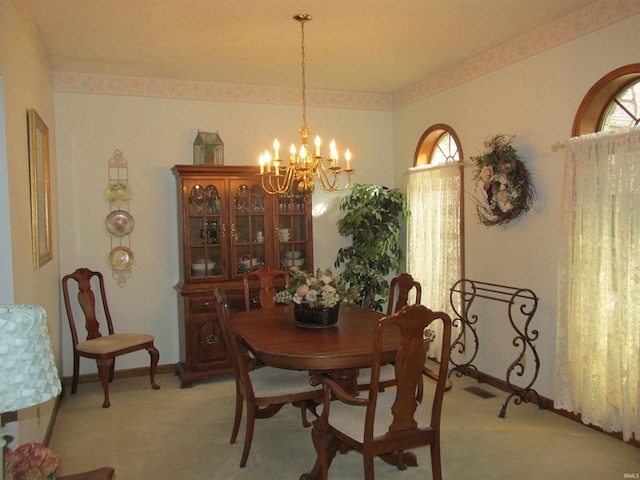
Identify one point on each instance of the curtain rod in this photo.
(603, 133)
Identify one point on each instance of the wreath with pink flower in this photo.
(506, 182)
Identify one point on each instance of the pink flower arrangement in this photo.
(31, 461)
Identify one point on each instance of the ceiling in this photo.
(373, 46)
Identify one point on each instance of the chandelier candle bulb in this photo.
(347, 155)
(267, 160)
(318, 143)
(276, 148)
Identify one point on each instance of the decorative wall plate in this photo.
(121, 258)
(119, 223)
(118, 193)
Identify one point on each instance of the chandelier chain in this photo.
(304, 80)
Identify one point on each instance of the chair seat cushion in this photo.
(350, 419)
(113, 343)
(272, 381)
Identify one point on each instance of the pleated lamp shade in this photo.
(28, 372)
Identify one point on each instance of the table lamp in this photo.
(28, 373)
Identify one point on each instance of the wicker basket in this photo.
(308, 317)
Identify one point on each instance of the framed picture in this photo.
(40, 189)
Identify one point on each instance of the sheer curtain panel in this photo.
(598, 352)
(434, 237)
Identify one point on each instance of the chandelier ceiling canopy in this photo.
(304, 166)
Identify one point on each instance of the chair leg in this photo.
(155, 356)
(238, 415)
(436, 467)
(248, 436)
(326, 446)
(368, 466)
(303, 405)
(104, 366)
(76, 371)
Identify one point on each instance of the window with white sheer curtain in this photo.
(434, 236)
(598, 334)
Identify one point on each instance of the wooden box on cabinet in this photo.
(228, 226)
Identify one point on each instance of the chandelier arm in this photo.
(322, 174)
(283, 182)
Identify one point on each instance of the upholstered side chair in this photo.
(103, 348)
(385, 424)
(264, 390)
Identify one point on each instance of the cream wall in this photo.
(27, 84)
(154, 134)
(536, 99)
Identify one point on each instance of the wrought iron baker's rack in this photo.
(522, 305)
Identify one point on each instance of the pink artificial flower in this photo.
(30, 461)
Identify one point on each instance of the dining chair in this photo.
(270, 281)
(387, 423)
(103, 348)
(402, 284)
(265, 390)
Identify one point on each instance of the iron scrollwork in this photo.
(522, 305)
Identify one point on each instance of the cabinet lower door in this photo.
(208, 339)
(207, 354)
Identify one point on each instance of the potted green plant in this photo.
(373, 220)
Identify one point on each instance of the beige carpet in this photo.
(175, 434)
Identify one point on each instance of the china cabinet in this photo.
(228, 226)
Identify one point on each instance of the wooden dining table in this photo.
(340, 350)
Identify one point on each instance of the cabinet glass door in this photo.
(204, 251)
(249, 244)
(293, 233)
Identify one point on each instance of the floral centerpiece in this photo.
(315, 299)
(31, 461)
(505, 180)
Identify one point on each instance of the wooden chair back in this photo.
(87, 301)
(240, 358)
(270, 281)
(399, 290)
(409, 365)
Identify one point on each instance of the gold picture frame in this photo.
(40, 189)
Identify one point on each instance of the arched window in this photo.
(435, 232)
(438, 144)
(613, 102)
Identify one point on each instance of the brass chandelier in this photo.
(303, 166)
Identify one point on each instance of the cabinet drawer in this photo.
(201, 304)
